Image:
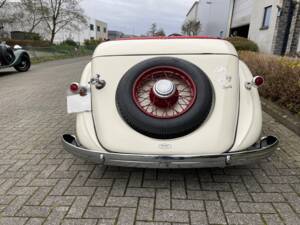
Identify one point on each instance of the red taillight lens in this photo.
(74, 87)
(258, 81)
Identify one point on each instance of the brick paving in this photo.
(40, 183)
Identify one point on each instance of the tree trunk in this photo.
(52, 37)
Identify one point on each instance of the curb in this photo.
(283, 116)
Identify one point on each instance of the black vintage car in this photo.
(15, 57)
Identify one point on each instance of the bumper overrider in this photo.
(263, 149)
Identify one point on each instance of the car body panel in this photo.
(84, 121)
(250, 113)
(164, 47)
(115, 134)
(249, 123)
(232, 128)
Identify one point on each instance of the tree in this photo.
(2, 3)
(154, 31)
(61, 14)
(27, 15)
(7, 14)
(191, 27)
(160, 32)
(32, 14)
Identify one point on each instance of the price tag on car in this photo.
(78, 104)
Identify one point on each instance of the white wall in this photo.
(84, 32)
(103, 34)
(242, 13)
(264, 38)
(193, 13)
(214, 17)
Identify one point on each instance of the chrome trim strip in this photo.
(263, 149)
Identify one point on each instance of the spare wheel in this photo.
(164, 97)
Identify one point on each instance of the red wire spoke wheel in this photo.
(164, 97)
(164, 92)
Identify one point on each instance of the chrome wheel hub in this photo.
(164, 89)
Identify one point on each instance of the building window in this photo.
(104, 30)
(92, 38)
(267, 17)
(91, 26)
(98, 29)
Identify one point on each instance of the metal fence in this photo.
(38, 52)
(41, 52)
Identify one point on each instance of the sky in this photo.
(136, 16)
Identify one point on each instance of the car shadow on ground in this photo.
(7, 73)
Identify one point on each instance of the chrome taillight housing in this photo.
(256, 82)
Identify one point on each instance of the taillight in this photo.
(74, 87)
(258, 81)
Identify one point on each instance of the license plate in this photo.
(78, 104)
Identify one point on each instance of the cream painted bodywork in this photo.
(250, 113)
(104, 129)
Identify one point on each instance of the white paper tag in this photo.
(78, 104)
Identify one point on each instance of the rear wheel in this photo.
(24, 64)
(164, 97)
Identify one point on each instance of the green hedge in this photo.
(282, 75)
(27, 43)
(243, 44)
(92, 44)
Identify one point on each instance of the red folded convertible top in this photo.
(168, 37)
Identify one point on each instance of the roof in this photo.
(165, 46)
(193, 6)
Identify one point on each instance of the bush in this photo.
(243, 44)
(27, 43)
(282, 75)
(20, 35)
(92, 44)
(70, 42)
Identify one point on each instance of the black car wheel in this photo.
(164, 97)
(24, 64)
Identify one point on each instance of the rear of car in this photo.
(169, 102)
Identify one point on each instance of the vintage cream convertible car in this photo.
(176, 102)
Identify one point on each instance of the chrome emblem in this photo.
(165, 146)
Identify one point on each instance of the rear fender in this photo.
(250, 112)
(19, 53)
(84, 121)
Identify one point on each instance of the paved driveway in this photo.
(42, 184)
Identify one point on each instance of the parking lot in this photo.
(40, 183)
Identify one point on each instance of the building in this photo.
(113, 34)
(213, 16)
(93, 30)
(241, 17)
(193, 13)
(273, 24)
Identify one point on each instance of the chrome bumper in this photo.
(263, 149)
